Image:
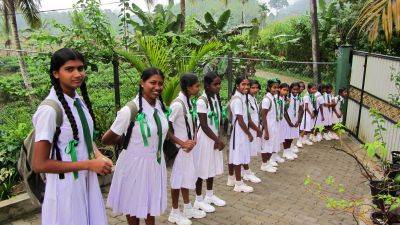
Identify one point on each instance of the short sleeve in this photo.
(122, 121)
(236, 107)
(266, 104)
(201, 106)
(306, 99)
(176, 111)
(321, 100)
(44, 122)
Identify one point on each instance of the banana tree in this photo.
(157, 55)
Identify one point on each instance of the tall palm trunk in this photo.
(17, 42)
(315, 40)
(183, 12)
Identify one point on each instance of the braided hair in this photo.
(188, 80)
(271, 82)
(58, 59)
(146, 74)
(209, 77)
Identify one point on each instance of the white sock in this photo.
(209, 193)
(175, 210)
(240, 182)
(246, 172)
(187, 206)
(231, 177)
(199, 198)
(264, 164)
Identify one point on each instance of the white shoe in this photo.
(214, 200)
(313, 138)
(294, 149)
(193, 213)
(299, 143)
(308, 142)
(178, 218)
(327, 137)
(278, 158)
(250, 176)
(203, 206)
(242, 187)
(291, 150)
(333, 136)
(231, 181)
(267, 167)
(287, 154)
(319, 137)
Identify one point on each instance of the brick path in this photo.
(281, 198)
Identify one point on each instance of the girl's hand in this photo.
(188, 145)
(323, 119)
(266, 135)
(250, 137)
(296, 124)
(340, 115)
(221, 145)
(259, 133)
(105, 158)
(100, 165)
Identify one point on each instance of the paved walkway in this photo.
(281, 198)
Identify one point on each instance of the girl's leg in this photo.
(151, 220)
(132, 220)
(199, 186)
(210, 182)
(230, 169)
(265, 157)
(175, 198)
(246, 166)
(238, 171)
(185, 195)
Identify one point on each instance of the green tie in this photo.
(217, 116)
(159, 133)
(85, 127)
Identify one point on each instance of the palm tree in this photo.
(379, 13)
(30, 11)
(315, 40)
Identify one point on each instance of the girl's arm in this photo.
(300, 113)
(206, 129)
(186, 145)
(111, 138)
(264, 113)
(308, 110)
(252, 125)
(287, 118)
(322, 112)
(41, 162)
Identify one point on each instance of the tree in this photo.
(315, 40)
(278, 4)
(30, 11)
(379, 13)
(264, 10)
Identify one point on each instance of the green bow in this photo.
(313, 100)
(193, 113)
(144, 126)
(168, 112)
(214, 119)
(71, 150)
(224, 112)
(279, 112)
(274, 80)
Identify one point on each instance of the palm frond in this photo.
(30, 11)
(157, 55)
(171, 90)
(223, 19)
(133, 59)
(197, 55)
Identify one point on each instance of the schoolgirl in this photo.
(309, 115)
(328, 112)
(254, 110)
(139, 185)
(208, 150)
(183, 122)
(302, 93)
(338, 102)
(316, 136)
(293, 115)
(239, 146)
(270, 117)
(72, 193)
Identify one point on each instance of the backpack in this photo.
(35, 182)
(126, 136)
(169, 148)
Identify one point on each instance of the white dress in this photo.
(320, 103)
(282, 121)
(239, 144)
(327, 110)
(273, 143)
(307, 123)
(139, 184)
(255, 117)
(339, 102)
(69, 201)
(293, 113)
(183, 171)
(208, 161)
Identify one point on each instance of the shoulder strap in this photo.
(189, 133)
(183, 105)
(272, 102)
(57, 108)
(204, 99)
(134, 110)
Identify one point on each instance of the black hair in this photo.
(146, 74)
(255, 82)
(329, 85)
(188, 80)
(238, 80)
(311, 85)
(58, 59)
(209, 77)
(341, 90)
(294, 84)
(271, 82)
(284, 85)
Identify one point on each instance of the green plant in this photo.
(395, 78)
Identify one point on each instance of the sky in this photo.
(52, 4)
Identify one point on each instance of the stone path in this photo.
(281, 198)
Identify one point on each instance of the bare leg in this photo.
(238, 170)
(151, 220)
(246, 166)
(230, 169)
(265, 157)
(210, 182)
(199, 186)
(185, 195)
(175, 198)
(132, 220)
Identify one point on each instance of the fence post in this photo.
(229, 73)
(361, 97)
(343, 72)
(117, 94)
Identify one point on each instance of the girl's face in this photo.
(323, 90)
(284, 91)
(302, 87)
(344, 93)
(274, 88)
(254, 89)
(153, 87)
(328, 90)
(295, 90)
(312, 90)
(243, 87)
(215, 86)
(71, 74)
(194, 89)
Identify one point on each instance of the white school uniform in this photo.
(183, 171)
(208, 161)
(273, 143)
(282, 121)
(327, 110)
(239, 144)
(69, 201)
(139, 184)
(255, 145)
(307, 123)
(293, 113)
(339, 102)
(320, 103)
